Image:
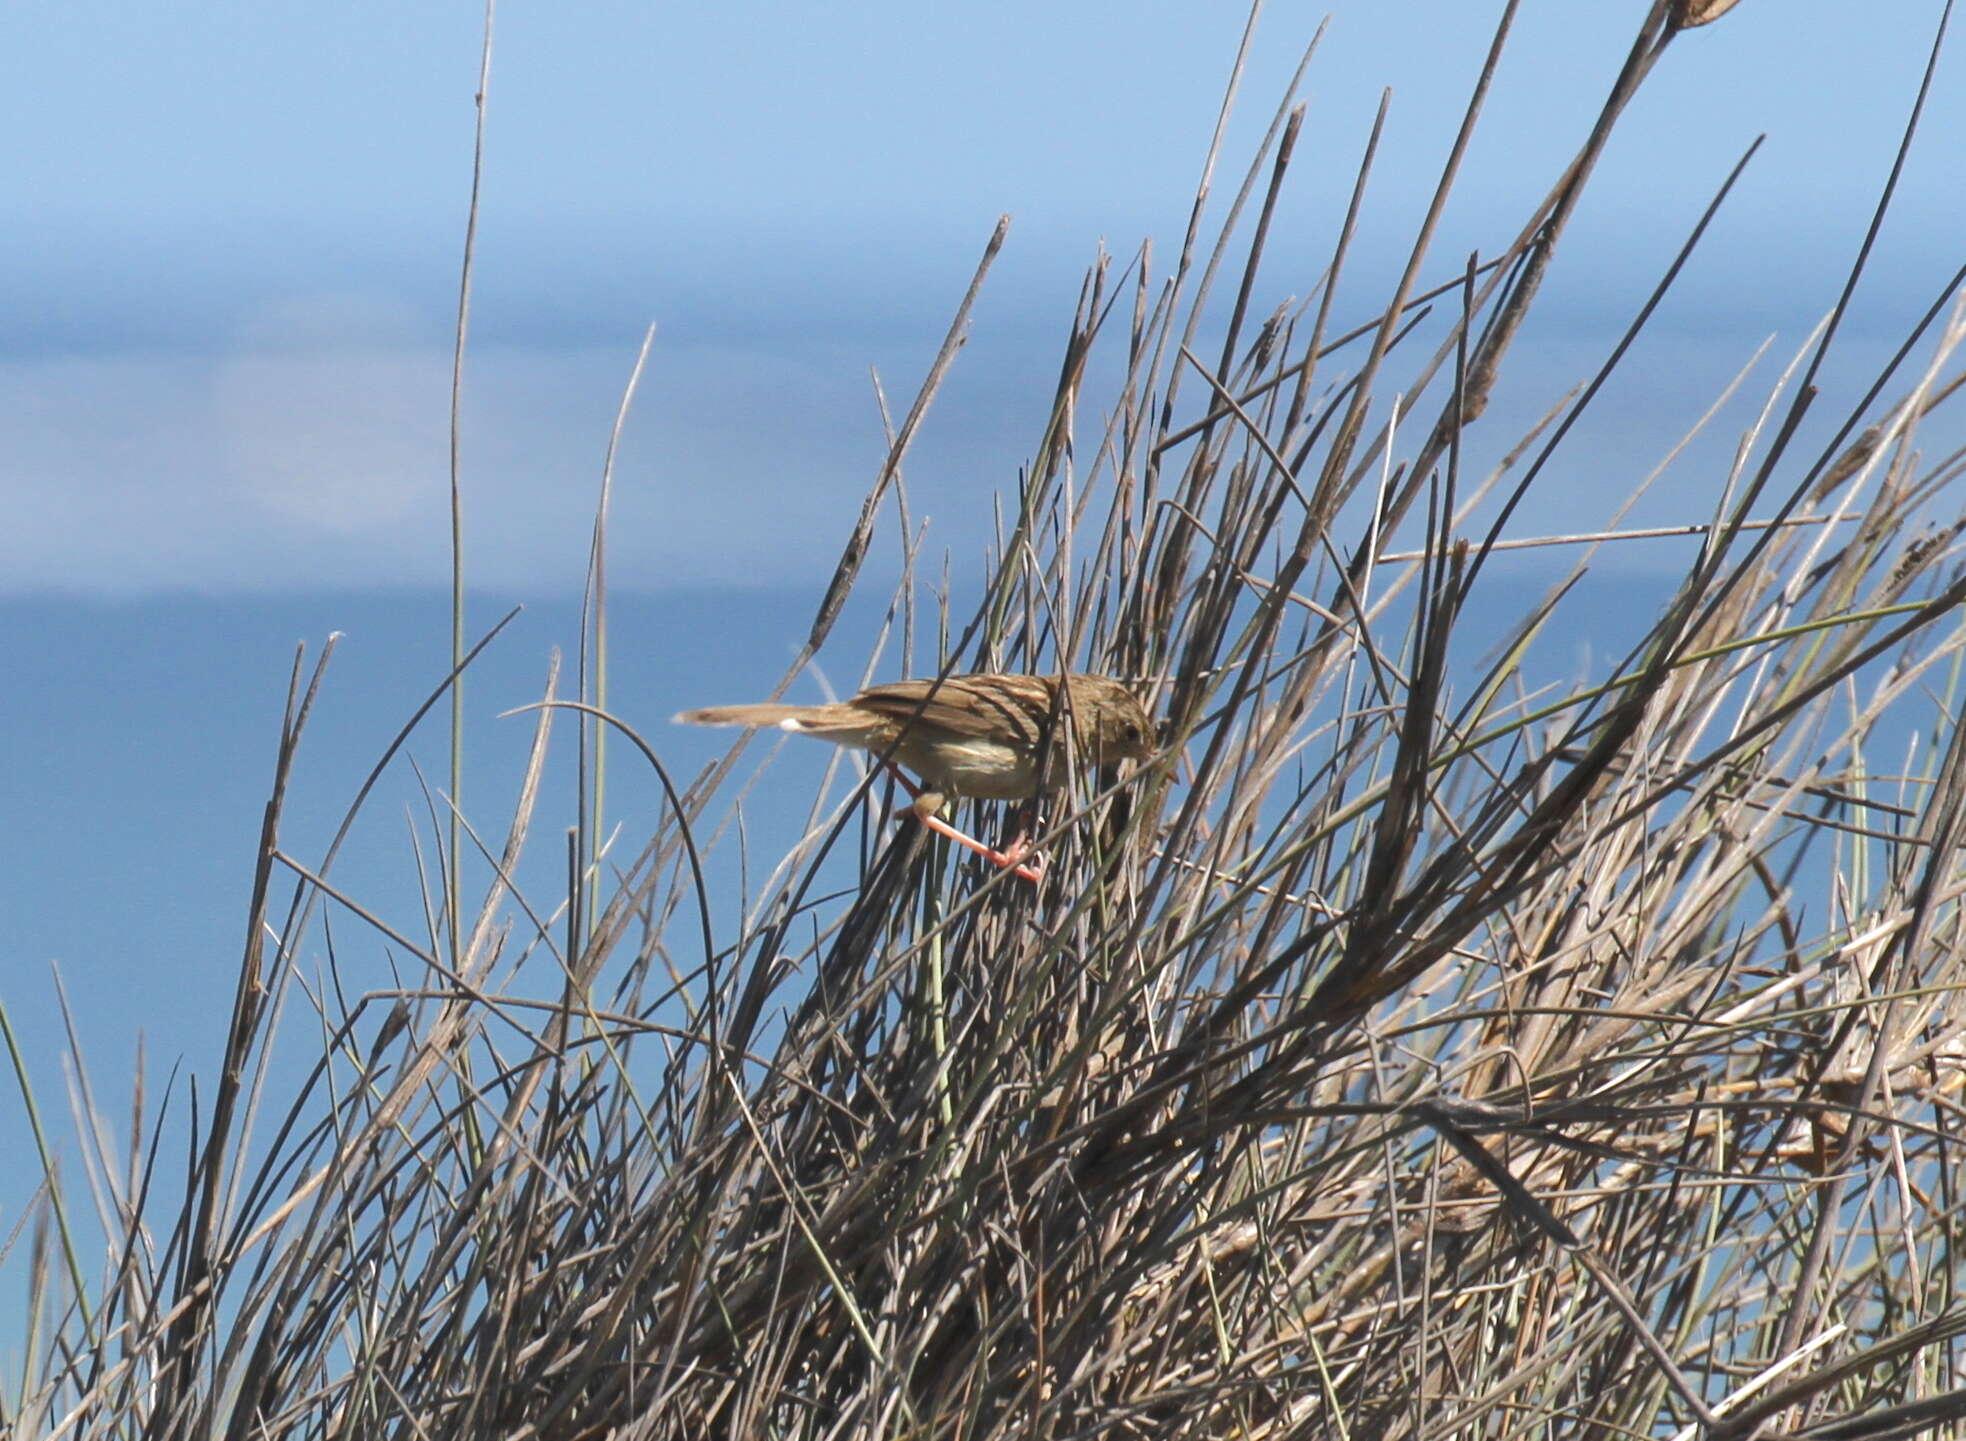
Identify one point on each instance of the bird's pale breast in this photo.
(971, 766)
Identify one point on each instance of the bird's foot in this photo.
(1015, 858)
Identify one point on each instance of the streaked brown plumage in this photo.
(970, 735)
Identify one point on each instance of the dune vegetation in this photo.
(1427, 1040)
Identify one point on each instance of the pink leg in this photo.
(1012, 858)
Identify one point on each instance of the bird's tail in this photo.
(745, 715)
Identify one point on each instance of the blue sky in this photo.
(232, 253)
(235, 234)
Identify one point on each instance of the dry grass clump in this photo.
(1414, 1049)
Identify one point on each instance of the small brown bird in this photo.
(970, 735)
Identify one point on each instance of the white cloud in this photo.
(331, 418)
(312, 452)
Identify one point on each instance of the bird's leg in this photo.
(924, 808)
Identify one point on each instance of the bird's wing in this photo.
(960, 707)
